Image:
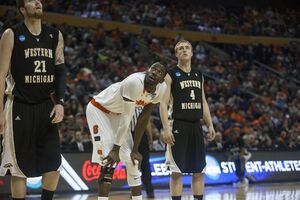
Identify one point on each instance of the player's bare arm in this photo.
(207, 116)
(139, 130)
(6, 48)
(149, 135)
(163, 109)
(59, 53)
(113, 157)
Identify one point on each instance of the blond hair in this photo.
(182, 41)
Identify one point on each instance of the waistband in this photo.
(187, 120)
(18, 100)
(100, 107)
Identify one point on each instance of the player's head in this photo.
(183, 50)
(156, 74)
(30, 8)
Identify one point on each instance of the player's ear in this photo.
(22, 10)
(176, 54)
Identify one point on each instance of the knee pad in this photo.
(133, 174)
(106, 175)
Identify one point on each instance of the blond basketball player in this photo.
(185, 150)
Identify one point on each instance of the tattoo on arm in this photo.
(59, 54)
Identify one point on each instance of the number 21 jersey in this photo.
(33, 64)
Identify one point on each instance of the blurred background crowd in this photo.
(245, 20)
(253, 90)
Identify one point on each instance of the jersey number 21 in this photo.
(40, 66)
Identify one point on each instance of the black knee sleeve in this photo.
(106, 175)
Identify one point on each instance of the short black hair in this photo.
(158, 64)
(19, 3)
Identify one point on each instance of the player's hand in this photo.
(136, 158)
(112, 158)
(58, 113)
(168, 137)
(211, 133)
(1, 122)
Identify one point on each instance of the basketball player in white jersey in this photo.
(109, 114)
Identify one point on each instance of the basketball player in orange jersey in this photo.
(185, 143)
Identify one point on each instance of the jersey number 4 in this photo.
(192, 95)
(40, 66)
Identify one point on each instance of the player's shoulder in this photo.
(49, 28)
(171, 70)
(134, 81)
(174, 72)
(137, 77)
(162, 87)
(8, 32)
(197, 73)
(8, 35)
(16, 27)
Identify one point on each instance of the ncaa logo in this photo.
(22, 38)
(177, 74)
(213, 170)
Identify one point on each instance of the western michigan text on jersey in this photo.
(39, 79)
(34, 52)
(191, 106)
(190, 83)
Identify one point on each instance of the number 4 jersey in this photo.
(32, 64)
(186, 90)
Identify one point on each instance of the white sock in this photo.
(137, 197)
(102, 198)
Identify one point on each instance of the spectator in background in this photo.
(77, 144)
(87, 142)
(158, 142)
(240, 156)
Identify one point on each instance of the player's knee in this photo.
(133, 175)
(106, 175)
(198, 176)
(176, 175)
(18, 189)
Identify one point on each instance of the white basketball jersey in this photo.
(131, 88)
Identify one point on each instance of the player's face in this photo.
(184, 51)
(32, 9)
(155, 74)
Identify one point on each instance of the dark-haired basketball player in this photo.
(109, 114)
(32, 62)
